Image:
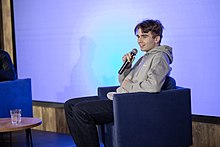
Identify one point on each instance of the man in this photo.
(7, 71)
(147, 75)
(150, 71)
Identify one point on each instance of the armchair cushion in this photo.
(102, 91)
(169, 83)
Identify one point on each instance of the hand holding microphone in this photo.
(128, 59)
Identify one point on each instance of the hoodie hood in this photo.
(163, 48)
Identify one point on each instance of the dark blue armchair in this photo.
(149, 119)
(16, 94)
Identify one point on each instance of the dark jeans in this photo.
(83, 114)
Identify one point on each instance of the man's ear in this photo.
(157, 39)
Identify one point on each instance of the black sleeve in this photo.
(7, 70)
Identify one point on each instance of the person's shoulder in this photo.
(164, 53)
(164, 48)
(3, 52)
(4, 55)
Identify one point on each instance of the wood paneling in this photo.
(204, 134)
(53, 119)
(1, 28)
(61, 125)
(7, 27)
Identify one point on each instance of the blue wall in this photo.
(69, 48)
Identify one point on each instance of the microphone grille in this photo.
(134, 51)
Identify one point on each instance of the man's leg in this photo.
(83, 115)
(68, 107)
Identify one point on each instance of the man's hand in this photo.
(128, 57)
(124, 83)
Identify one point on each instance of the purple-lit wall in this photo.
(69, 48)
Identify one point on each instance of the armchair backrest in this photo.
(170, 83)
(16, 94)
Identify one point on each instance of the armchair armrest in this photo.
(102, 91)
(164, 116)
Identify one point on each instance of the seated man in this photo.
(7, 70)
(147, 75)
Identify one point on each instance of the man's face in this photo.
(146, 40)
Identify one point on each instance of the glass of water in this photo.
(15, 116)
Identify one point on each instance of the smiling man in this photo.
(150, 71)
(147, 75)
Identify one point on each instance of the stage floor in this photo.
(40, 139)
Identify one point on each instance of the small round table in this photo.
(26, 124)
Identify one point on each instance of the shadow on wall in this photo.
(83, 80)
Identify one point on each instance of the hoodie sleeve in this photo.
(123, 75)
(127, 71)
(155, 77)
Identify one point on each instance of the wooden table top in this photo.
(26, 123)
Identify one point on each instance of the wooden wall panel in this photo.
(1, 28)
(38, 113)
(48, 118)
(7, 27)
(204, 134)
(61, 125)
(53, 119)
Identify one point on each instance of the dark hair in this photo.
(150, 25)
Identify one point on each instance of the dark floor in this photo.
(40, 139)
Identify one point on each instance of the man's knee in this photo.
(73, 105)
(69, 104)
(66, 105)
(83, 106)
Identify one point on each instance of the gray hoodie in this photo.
(149, 72)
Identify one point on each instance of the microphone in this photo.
(126, 63)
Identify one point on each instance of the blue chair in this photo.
(16, 94)
(149, 119)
